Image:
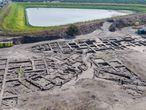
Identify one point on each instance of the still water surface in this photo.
(62, 16)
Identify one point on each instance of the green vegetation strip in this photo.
(6, 44)
(13, 19)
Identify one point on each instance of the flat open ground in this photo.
(99, 71)
(13, 19)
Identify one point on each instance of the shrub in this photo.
(1, 45)
(72, 30)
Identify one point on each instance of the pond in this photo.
(61, 16)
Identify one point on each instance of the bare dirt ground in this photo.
(99, 71)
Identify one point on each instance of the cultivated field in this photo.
(13, 19)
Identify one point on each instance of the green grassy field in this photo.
(13, 19)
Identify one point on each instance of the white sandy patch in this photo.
(138, 48)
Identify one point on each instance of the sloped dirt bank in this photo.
(83, 28)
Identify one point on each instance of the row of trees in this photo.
(6, 44)
(108, 1)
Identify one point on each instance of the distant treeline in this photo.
(108, 1)
(90, 1)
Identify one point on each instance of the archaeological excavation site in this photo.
(102, 70)
(72, 54)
